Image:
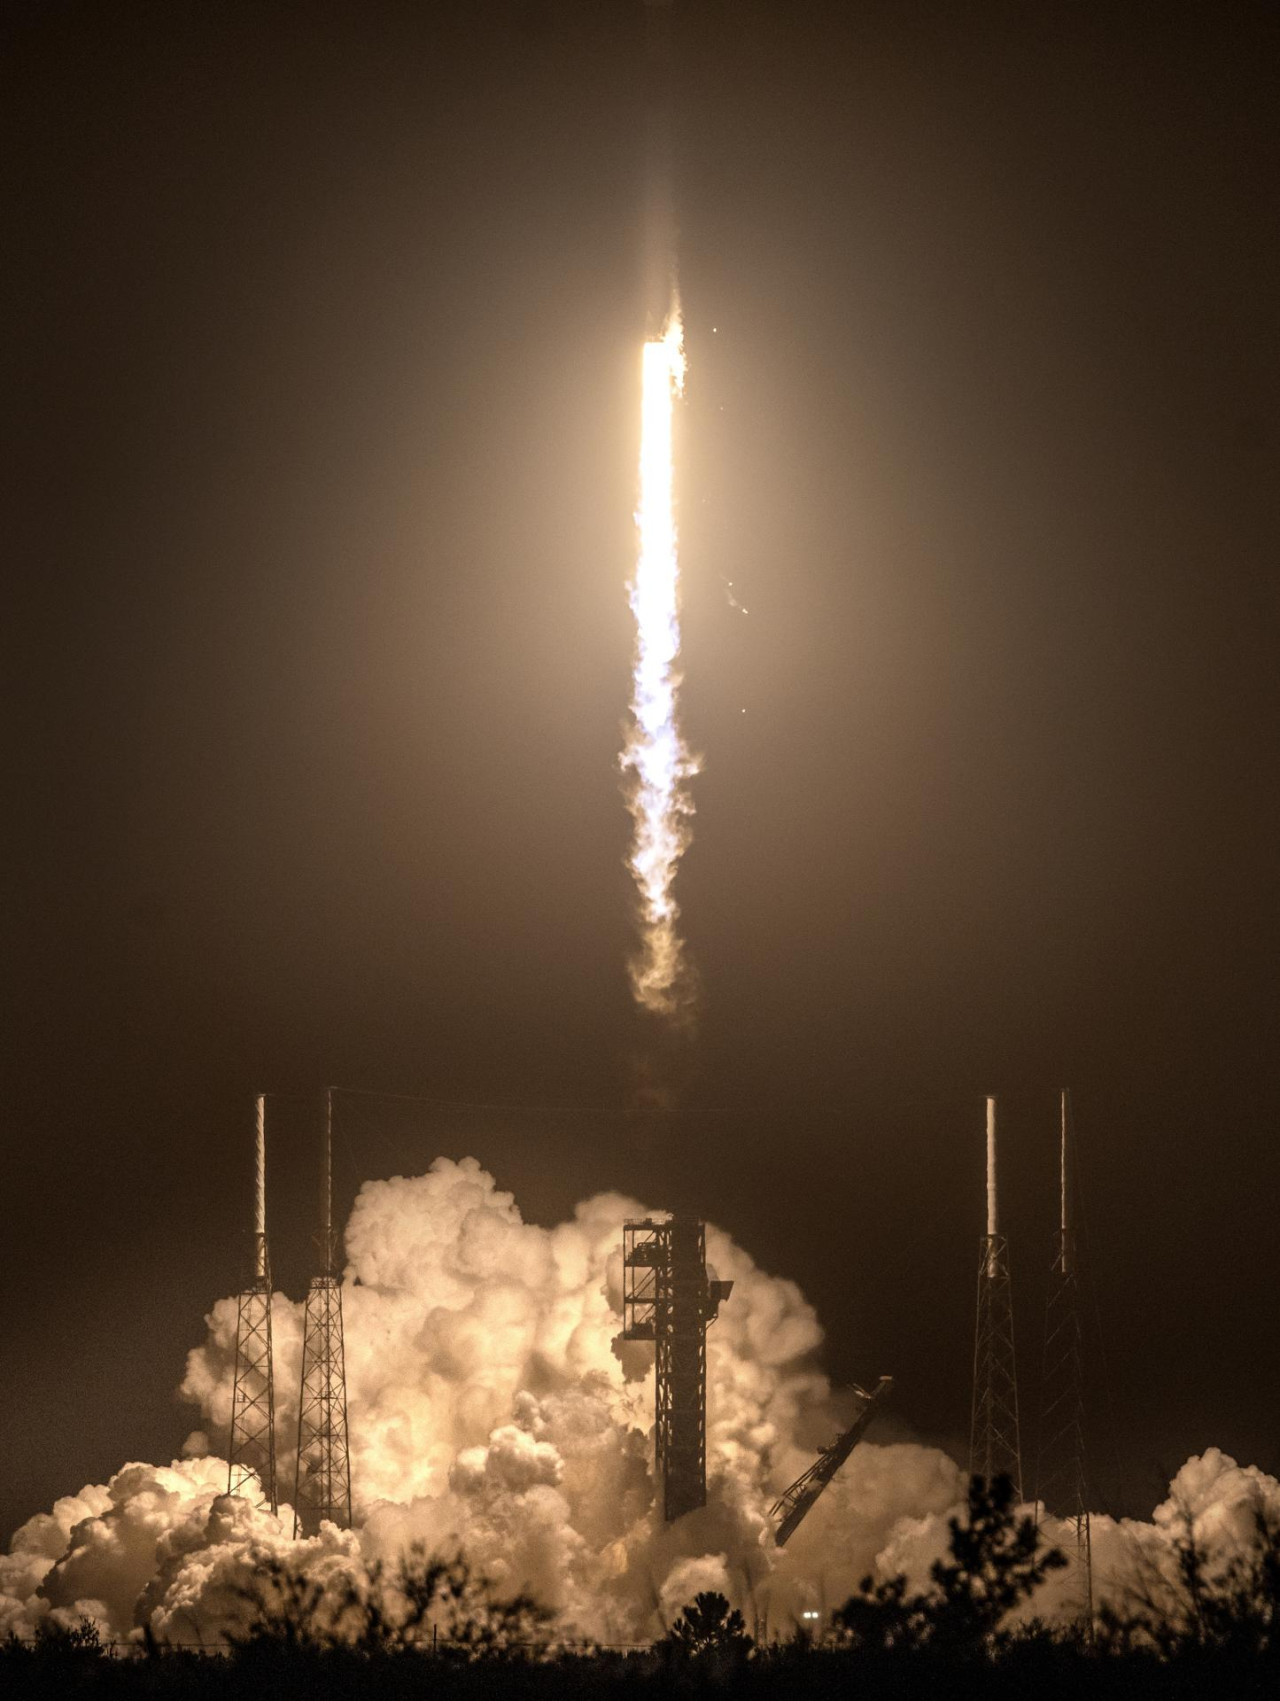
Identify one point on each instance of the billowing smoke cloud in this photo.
(1212, 1501)
(494, 1410)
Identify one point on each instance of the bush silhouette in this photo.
(422, 1602)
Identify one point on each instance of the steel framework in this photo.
(995, 1447)
(668, 1299)
(792, 1508)
(252, 1449)
(1061, 1475)
(322, 1485)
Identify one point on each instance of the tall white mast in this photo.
(326, 1185)
(993, 1213)
(995, 1447)
(260, 1193)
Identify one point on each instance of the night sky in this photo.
(321, 334)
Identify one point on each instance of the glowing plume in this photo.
(655, 751)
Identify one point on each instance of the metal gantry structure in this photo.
(322, 1485)
(669, 1299)
(793, 1507)
(995, 1447)
(251, 1451)
(1061, 1476)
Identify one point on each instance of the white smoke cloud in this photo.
(493, 1410)
(1212, 1501)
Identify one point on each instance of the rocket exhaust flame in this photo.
(655, 751)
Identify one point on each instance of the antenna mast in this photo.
(994, 1445)
(322, 1486)
(251, 1451)
(1060, 1462)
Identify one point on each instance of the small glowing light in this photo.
(809, 1615)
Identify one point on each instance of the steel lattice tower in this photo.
(995, 1448)
(668, 1299)
(252, 1449)
(322, 1486)
(1061, 1480)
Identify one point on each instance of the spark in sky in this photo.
(655, 753)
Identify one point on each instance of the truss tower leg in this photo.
(995, 1447)
(252, 1449)
(323, 1483)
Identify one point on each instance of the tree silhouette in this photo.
(995, 1562)
(708, 1625)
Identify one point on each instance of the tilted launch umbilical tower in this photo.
(1061, 1481)
(322, 1486)
(252, 1448)
(668, 1299)
(995, 1448)
(793, 1507)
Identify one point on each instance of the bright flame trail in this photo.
(655, 751)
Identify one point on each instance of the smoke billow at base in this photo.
(495, 1412)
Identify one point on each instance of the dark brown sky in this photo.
(320, 335)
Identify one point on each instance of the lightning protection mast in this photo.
(252, 1449)
(669, 1299)
(1061, 1480)
(994, 1445)
(322, 1487)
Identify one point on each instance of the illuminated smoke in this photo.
(494, 1409)
(655, 753)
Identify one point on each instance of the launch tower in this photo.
(1060, 1454)
(322, 1487)
(994, 1445)
(252, 1448)
(668, 1299)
